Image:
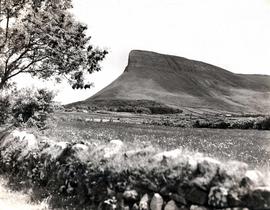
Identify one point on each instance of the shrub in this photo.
(263, 123)
(220, 124)
(126, 109)
(6, 101)
(32, 106)
(143, 110)
(164, 110)
(202, 124)
(4, 108)
(242, 124)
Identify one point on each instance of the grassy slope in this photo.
(250, 146)
(182, 82)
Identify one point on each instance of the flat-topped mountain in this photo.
(186, 84)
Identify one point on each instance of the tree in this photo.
(42, 38)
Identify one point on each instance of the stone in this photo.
(235, 197)
(167, 155)
(144, 202)
(194, 207)
(109, 204)
(81, 152)
(56, 150)
(218, 197)
(150, 185)
(232, 173)
(183, 208)
(20, 142)
(207, 168)
(253, 178)
(140, 152)
(165, 191)
(171, 205)
(135, 207)
(259, 198)
(131, 195)
(122, 206)
(196, 195)
(179, 198)
(113, 148)
(192, 163)
(207, 164)
(156, 202)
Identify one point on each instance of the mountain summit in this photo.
(187, 84)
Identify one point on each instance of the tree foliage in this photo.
(34, 105)
(42, 38)
(27, 106)
(5, 110)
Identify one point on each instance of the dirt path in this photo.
(10, 200)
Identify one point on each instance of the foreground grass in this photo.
(11, 200)
(250, 146)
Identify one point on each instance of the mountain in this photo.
(186, 84)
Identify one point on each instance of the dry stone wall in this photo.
(83, 176)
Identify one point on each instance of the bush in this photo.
(242, 124)
(202, 124)
(4, 108)
(220, 124)
(32, 106)
(263, 123)
(6, 102)
(143, 110)
(126, 109)
(133, 106)
(164, 110)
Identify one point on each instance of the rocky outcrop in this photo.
(171, 180)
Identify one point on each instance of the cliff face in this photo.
(185, 83)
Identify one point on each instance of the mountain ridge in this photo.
(181, 82)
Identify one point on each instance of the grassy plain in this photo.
(250, 146)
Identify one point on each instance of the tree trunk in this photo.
(2, 84)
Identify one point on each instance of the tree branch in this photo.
(17, 59)
(7, 25)
(26, 67)
(0, 9)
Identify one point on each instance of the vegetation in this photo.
(250, 146)
(132, 106)
(263, 124)
(43, 39)
(86, 175)
(259, 123)
(26, 107)
(4, 108)
(33, 106)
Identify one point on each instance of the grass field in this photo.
(250, 146)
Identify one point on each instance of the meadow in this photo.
(250, 146)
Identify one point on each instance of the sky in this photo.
(232, 34)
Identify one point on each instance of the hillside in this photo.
(186, 84)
